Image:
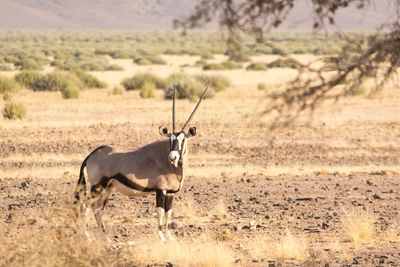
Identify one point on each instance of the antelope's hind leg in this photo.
(168, 209)
(160, 204)
(100, 193)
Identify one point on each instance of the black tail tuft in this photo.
(81, 186)
(80, 192)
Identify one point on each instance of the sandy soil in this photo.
(246, 186)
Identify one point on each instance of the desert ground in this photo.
(324, 192)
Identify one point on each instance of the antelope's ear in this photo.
(191, 132)
(164, 131)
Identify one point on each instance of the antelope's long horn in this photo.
(173, 110)
(194, 111)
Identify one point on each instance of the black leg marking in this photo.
(160, 199)
(168, 202)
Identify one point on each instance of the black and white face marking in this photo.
(178, 142)
(178, 147)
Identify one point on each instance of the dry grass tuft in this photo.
(358, 225)
(186, 209)
(51, 238)
(188, 253)
(219, 211)
(288, 246)
(292, 247)
(393, 233)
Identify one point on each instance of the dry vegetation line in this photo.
(158, 167)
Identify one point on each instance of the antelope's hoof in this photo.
(161, 236)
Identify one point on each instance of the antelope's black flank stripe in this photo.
(125, 181)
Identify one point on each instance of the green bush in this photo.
(137, 81)
(213, 66)
(70, 91)
(284, 63)
(262, 86)
(217, 82)
(117, 90)
(200, 62)
(357, 91)
(8, 85)
(147, 90)
(114, 67)
(149, 59)
(89, 80)
(13, 110)
(11, 59)
(186, 86)
(29, 64)
(86, 64)
(257, 66)
(206, 56)
(27, 78)
(5, 67)
(226, 65)
(57, 81)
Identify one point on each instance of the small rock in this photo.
(23, 185)
(176, 225)
(375, 196)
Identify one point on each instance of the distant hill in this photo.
(145, 14)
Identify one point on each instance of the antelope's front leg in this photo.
(168, 209)
(160, 203)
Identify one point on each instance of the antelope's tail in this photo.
(80, 191)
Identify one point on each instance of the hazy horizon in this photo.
(157, 15)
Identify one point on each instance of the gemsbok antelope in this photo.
(158, 167)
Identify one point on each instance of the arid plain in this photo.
(324, 192)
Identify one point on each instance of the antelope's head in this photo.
(178, 140)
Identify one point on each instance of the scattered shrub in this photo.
(8, 85)
(262, 86)
(114, 67)
(117, 90)
(29, 64)
(186, 87)
(284, 63)
(226, 65)
(89, 80)
(57, 81)
(70, 91)
(200, 62)
(27, 78)
(213, 66)
(218, 82)
(357, 91)
(11, 59)
(137, 81)
(149, 59)
(206, 56)
(5, 67)
(86, 64)
(147, 91)
(257, 66)
(13, 110)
